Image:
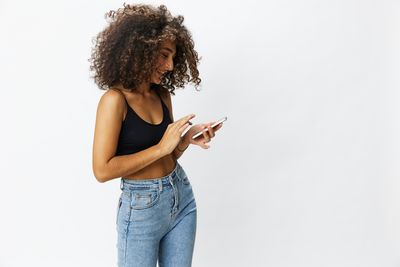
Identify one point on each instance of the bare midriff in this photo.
(157, 169)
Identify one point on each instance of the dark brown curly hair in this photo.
(126, 50)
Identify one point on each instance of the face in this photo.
(165, 61)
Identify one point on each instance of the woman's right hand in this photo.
(172, 135)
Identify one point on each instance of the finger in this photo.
(218, 127)
(204, 145)
(185, 119)
(181, 122)
(183, 128)
(211, 132)
(206, 136)
(201, 144)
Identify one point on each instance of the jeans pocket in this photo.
(184, 178)
(144, 198)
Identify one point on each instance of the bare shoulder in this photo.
(113, 101)
(113, 96)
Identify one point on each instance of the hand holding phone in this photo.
(212, 126)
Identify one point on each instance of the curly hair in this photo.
(126, 50)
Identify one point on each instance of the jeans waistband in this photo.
(154, 182)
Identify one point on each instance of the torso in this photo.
(150, 110)
(159, 168)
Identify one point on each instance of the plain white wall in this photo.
(304, 173)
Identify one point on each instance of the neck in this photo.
(142, 89)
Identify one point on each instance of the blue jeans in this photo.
(156, 219)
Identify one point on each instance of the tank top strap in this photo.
(159, 96)
(165, 107)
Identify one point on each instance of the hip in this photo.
(155, 199)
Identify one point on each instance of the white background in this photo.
(305, 172)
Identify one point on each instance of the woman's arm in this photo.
(107, 166)
(186, 140)
(180, 149)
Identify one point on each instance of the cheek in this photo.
(160, 62)
(154, 78)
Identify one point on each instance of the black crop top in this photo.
(137, 134)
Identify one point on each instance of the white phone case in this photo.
(212, 126)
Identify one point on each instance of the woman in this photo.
(139, 59)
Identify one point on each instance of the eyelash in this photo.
(166, 56)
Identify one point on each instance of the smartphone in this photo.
(212, 126)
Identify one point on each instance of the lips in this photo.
(161, 73)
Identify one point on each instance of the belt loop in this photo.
(160, 185)
(175, 174)
(121, 185)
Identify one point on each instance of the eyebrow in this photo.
(170, 50)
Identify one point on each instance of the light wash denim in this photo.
(156, 219)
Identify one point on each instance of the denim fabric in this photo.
(156, 219)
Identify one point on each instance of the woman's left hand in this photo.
(203, 139)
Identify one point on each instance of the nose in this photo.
(169, 64)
